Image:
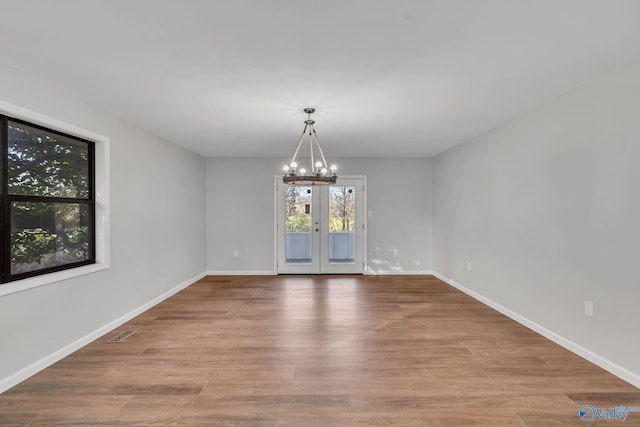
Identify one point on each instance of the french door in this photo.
(320, 228)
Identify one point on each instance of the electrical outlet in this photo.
(235, 252)
(588, 308)
(468, 265)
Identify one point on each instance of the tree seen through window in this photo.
(49, 196)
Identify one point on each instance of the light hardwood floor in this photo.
(318, 351)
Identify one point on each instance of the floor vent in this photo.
(121, 336)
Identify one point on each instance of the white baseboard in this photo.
(275, 273)
(34, 368)
(243, 273)
(379, 272)
(606, 364)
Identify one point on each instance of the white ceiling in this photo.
(401, 78)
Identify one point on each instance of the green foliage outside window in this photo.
(31, 246)
(298, 223)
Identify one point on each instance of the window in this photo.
(48, 203)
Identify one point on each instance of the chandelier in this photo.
(320, 173)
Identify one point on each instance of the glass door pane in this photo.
(341, 238)
(298, 225)
(342, 224)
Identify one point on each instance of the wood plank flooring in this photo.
(318, 351)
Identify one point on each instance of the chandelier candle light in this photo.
(320, 174)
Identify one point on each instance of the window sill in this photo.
(45, 279)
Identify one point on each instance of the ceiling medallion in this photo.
(320, 174)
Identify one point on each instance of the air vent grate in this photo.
(121, 336)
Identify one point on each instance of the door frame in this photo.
(365, 226)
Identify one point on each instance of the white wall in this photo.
(240, 213)
(546, 209)
(157, 233)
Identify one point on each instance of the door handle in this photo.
(317, 229)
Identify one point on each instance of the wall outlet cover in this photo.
(588, 308)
